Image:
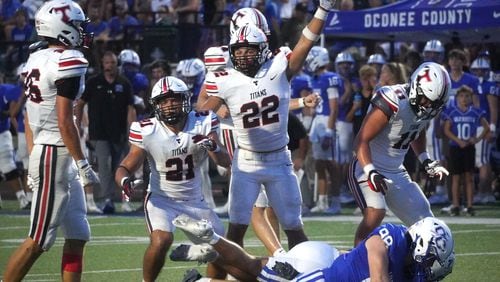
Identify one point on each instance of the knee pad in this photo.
(72, 263)
(12, 175)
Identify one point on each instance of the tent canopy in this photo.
(420, 20)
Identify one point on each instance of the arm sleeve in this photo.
(68, 87)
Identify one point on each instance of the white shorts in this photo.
(54, 202)
(343, 145)
(274, 170)
(22, 150)
(7, 163)
(405, 198)
(318, 131)
(161, 210)
(483, 150)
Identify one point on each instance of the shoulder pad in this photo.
(387, 100)
(71, 63)
(146, 126)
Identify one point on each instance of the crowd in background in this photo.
(122, 48)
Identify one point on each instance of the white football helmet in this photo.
(433, 51)
(129, 56)
(432, 248)
(344, 64)
(173, 88)
(249, 36)
(317, 57)
(376, 59)
(481, 68)
(432, 81)
(246, 16)
(192, 72)
(62, 20)
(216, 58)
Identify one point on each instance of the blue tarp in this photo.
(421, 20)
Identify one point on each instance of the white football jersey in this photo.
(258, 105)
(42, 70)
(175, 160)
(389, 147)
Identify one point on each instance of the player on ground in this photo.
(422, 252)
(54, 79)
(176, 142)
(398, 119)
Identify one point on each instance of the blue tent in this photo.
(421, 20)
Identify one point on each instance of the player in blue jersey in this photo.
(488, 101)
(322, 135)
(130, 66)
(422, 252)
(461, 124)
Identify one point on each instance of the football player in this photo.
(176, 143)
(322, 135)
(54, 79)
(257, 94)
(130, 65)
(398, 119)
(422, 252)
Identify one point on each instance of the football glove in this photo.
(377, 182)
(328, 5)
(128, 186)
(433, 168)
(30, 182)
(87, 174)
(206, 143)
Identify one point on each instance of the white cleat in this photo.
(201, 253)
(127, 207)
(92, 208)
(198, 231)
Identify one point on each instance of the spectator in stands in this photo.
(7, 16)
(292, 29)
(22, 31)
(123, 25)
(361, 98)
(189, 28)
(97, 24)
(393, 73)
(271, 12)
(460, 127)
(111, 111)
(412, 60)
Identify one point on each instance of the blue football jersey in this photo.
(466, 79)
(8, 94)
(320, 84)
(487, 88)
(297, 84)
(464, 124)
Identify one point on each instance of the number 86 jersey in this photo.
(174, 159)
(389, 147)
(258, 105)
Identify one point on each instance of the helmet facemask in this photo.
(419, 107)
(247, 64)
(173, 111)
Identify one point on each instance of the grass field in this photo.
(118, 243)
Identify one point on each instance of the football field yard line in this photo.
(191, 266)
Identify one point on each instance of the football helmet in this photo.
(216, 58)
(129, 63)
(376, 59)
(433, 51)
(170, 87)
(192, 72)
(246, 16)
(432, 248)
(317, 57)
(63, 21)
(252, 37)
(480, 67)
(344, 64)
(432, 81)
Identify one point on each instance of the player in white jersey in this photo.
(257, 94)
(176, 142)
(54, 79)
(398, 119)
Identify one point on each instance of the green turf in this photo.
(118, 243)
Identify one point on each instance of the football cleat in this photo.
(201, 253)
(192, 275)
(198, 231)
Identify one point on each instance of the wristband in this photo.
(321, 14)
(367, 168)
(123, 180)
(423, 156)
(82, 163)
(309, 34)
(301, 103)
(493, 127)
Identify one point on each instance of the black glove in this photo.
(377, 182)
